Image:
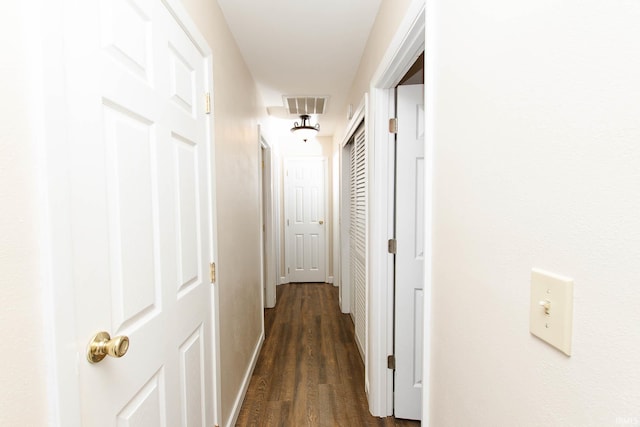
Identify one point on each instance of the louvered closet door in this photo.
(357, 235)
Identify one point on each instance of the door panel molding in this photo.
(65, 407)
(410, 253)
(304, 218)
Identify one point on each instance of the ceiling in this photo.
(302, 47)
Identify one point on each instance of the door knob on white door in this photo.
(102, 345)
(321, 222)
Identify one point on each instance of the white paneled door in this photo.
(410, 231)
(305, 221)
(141, 223)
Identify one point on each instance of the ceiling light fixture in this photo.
(305, 130)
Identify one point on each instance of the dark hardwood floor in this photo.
(309, 372)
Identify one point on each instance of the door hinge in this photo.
(393, 246)
(391, 362)
(212, 272)
(393, 125)
(207, 103)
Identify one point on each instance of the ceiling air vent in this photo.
(298, 105)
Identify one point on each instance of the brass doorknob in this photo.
(102, 345)
(321, 222)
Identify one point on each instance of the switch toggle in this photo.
(551, 310)
(546, 304)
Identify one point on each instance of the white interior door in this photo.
(306, 219)
(410, 252)
(141, 223)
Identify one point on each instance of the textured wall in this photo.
(537, 164)
(23, 400)
(384, 28)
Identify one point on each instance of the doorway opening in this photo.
(403, 51)
(268, 251)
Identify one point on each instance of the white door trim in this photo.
(404, 49)
(335, 217)
(328, 238)
(359, 115)
(429, 102)
(270, 257)
(278, 215)
(343, 246)
(62, 376)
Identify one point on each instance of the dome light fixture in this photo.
(304, 130)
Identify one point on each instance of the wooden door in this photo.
(139, 164)
(410, 231)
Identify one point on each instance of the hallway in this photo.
(309, 371)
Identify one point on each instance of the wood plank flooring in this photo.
(309, 372)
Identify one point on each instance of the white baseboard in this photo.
(283, 280)
(237, 405)
(330, 279)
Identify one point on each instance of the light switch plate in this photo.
(551, 309)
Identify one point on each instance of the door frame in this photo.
(58, 289)
(405, 47)
(343, 248)
(287, 244)
(268, 256)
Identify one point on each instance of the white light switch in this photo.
(551, 315)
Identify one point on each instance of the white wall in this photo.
(389, 17)
(23, 395)
(537, 164)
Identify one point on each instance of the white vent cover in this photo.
(305, 104)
